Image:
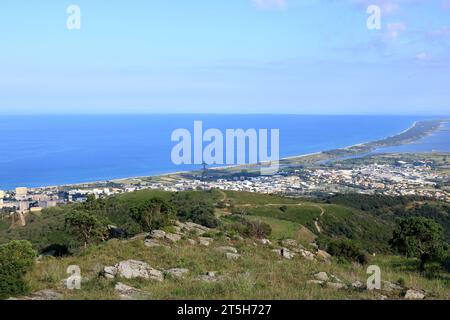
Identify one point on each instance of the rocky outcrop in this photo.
(176, 272)
(126, 292)
(41, 295)
(173, 237)
(131, 269)
(205, 241)
(413, 294)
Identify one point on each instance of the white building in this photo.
(21, 193)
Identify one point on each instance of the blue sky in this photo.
(234, 56)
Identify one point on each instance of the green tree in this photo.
(16, 259)
(419, 237)
(153, 214)
(191, 207)
(86, 226)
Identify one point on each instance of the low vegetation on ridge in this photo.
(232, 245)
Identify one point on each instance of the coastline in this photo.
(400, 138)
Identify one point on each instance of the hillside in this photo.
(255, 247)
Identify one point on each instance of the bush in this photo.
(347, 249)
(191, 207)
(153, 214)
(251, 229)
(88, 227)
(420, 238)
(16, 258)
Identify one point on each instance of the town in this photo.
(401, 178)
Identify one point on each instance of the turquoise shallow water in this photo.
(54, 150)
(438, 141)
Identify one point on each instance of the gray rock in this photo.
(321, 276)
(358, 285)
(41, 295)
(308, 255)
(176, 272)
(265, 242)
(323, 255)
(205, 241)
(129, 293)
(413, 294)
(192, 242)
(140, 236)
(227, 249)
(232, 256)
(157, 234)
(151, 243)
(336, 285)
(131, 269)
(389, 286)
(289, 243)
(285, 253)
(110, 272)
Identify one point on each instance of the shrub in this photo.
(86, 226)
(251, 229)
(153, 214)
(421, 238)
(192, 208)
(347, 249)
(16, 258)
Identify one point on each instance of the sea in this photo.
(48, 150)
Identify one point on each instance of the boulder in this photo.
(358, 285)
(336, 285)
(413, 294)
(151, 243)
(226, 249)
(176, 272)
(173, 237)
(232, 256)
(131, 269)
(389, 286)
(129, 293)
(157, 234)
(308, 255)
(46, 295)
(321, 276)
(192, 242)
(323, 255)
(140, 236)
(109, 272)
(205, 241)
(265, 242)
(285, 253)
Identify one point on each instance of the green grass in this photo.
(241, 198)
(259, 274)
(300, 214)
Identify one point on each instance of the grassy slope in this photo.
(259, 274)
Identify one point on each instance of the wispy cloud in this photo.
(393, 30)
(423, 56)
(269, 4)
